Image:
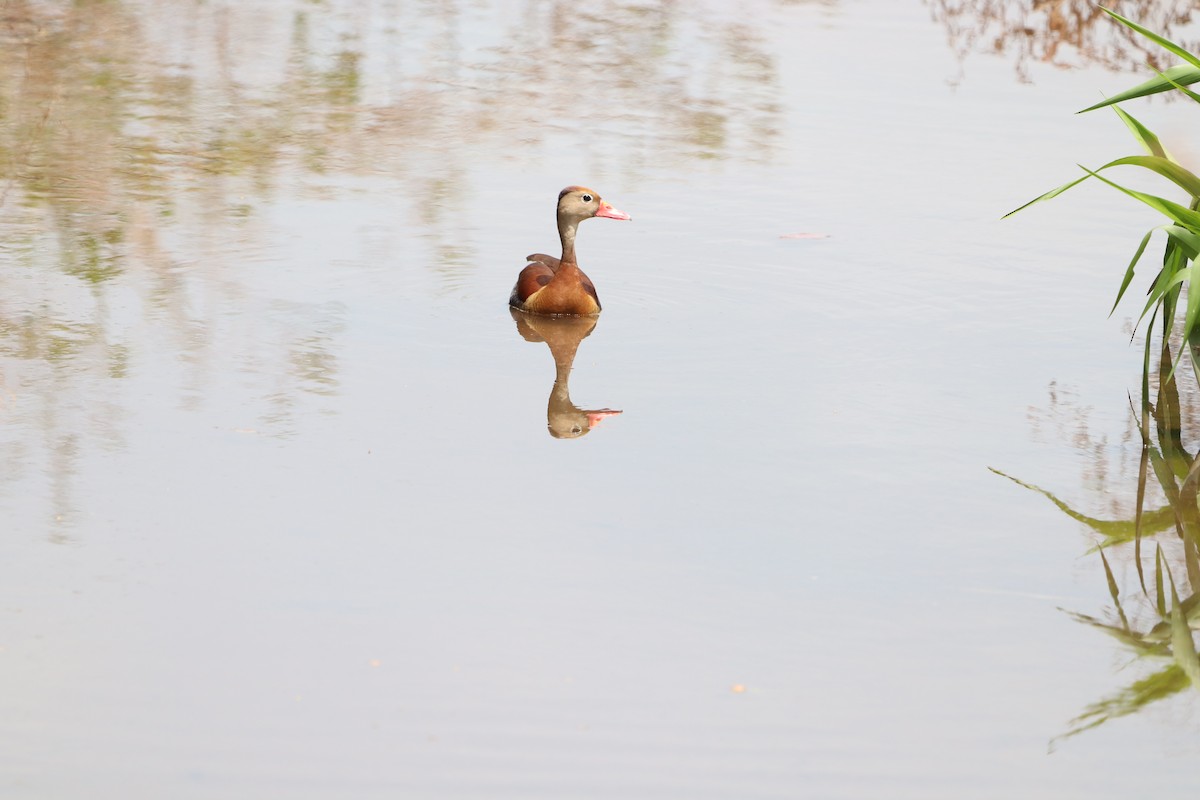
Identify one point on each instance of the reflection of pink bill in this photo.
(594, 417)
(804, 236)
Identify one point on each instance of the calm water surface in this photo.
(294, 507)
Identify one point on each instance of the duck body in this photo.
(551, 287)
(557, 286)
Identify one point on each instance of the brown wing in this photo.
(542, 258)
(586, 283)
(531, 279)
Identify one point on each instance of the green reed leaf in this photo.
(1181, 214)
(1181, 74)
(1174, 260)
(1156, 162)
(1137, 256)
(1047, 196)
(1140, 132)
(1165, 167)
(1185, 238)
(1145, 426)
(1164, 43)
(1193, 303)
(1161, 289)
(1144, 460)
(1180, 87)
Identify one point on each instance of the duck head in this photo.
(576, 203)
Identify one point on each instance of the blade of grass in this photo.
(1189, 240)
(1185, 74)
(1137, 256)
(1161, 291)
(1164, 43)
(1180, 87)
(1144, 459)
(1140, 132)
(1156, 162)
(1193, 303)
(1166, 285)
(1172, 263)
(1047, 196)
(1165, 167)
(1146, 381)
(1181, 214)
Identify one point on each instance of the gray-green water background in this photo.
(279, 512)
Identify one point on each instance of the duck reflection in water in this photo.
(562, 335)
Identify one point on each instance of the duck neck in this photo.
(566, 232)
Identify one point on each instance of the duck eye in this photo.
(587, 198)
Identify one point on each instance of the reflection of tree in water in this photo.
(1105, 461)
(1064, 33)
(139, 140)
(115, 105)
(662, 79)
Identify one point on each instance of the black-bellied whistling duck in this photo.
(550, 285)
(562, 335)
